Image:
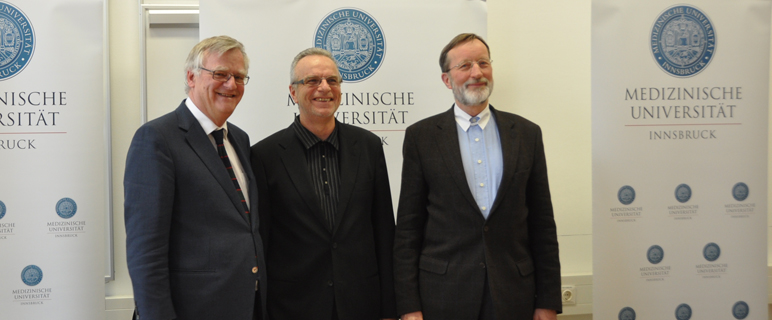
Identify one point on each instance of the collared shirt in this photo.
(210, 127)
(480, 147)
(322, 161)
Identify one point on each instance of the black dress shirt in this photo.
(322, 161)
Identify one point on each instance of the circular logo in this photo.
(31, 275)
(683, 193)
(683, 312)
(683, 41)
(655, 254)
(740, 191)
(740, 310)
(626, 195)
(711, 252)
(356, 41)
(627, 313)
(66, 208)
(17, 41)
(2, 209)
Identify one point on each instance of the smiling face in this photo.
(471, 88)
(316, 104)
(217, 100)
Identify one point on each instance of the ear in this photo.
(292, 93)
(446, 80)
(191, 79)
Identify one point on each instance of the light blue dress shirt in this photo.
(480, 145)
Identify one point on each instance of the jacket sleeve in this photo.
(411, 218)
(543, 232)
(149, 185)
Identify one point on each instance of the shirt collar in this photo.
(309, 139)
(206, 123)
(462, 118)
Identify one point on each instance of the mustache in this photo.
(476, 81)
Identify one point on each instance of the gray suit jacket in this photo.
(444, 246)
(191, 250)
(310, 267)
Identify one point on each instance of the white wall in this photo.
(541, 53)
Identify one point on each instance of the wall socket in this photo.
(568, 295)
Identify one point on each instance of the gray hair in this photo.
(306, 53)
(214, 45)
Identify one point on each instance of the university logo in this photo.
(31, 275)
(711, 252)
(683, 193)
(740, 191)
(683, 312)
(627, 313)
(626, 195)
(356, 41)
(2, 209)
(66, 208)
(17, 41)
(740, 310)
(655, 254)
(683, 41)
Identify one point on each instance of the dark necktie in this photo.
(218, 138)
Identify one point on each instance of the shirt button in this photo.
(254, 270)
(483, 208)
(479, 161)
(482, 184)
(476, 139)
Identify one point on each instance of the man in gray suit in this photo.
(475, 235)
(193, 247)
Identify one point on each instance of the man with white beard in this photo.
(476, 236)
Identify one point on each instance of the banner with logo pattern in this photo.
(387, 52)
(53, 159)
(679, 132)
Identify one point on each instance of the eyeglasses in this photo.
(223, 76)
(464, 66)
(314, 81)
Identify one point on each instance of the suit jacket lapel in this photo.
(348, 155)
(294, 159)
(510, 142)
(203, 147)
(447, 141)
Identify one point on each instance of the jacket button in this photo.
(329, 283)
(485, 228)
(482, 264)
(254, 270)
(335, 245)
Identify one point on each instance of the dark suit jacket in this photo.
(311, 268)
(444, 246)
(191, 250)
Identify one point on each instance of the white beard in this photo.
(472, 97)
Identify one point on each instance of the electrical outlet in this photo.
(568, 295)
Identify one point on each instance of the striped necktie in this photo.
(218, 138)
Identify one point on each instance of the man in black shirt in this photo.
(325, 207)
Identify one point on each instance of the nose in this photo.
(324, 86)
(230, 82)
(475, 72)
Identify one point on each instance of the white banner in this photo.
(53, 150)
(394, 83)
(679, 118)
